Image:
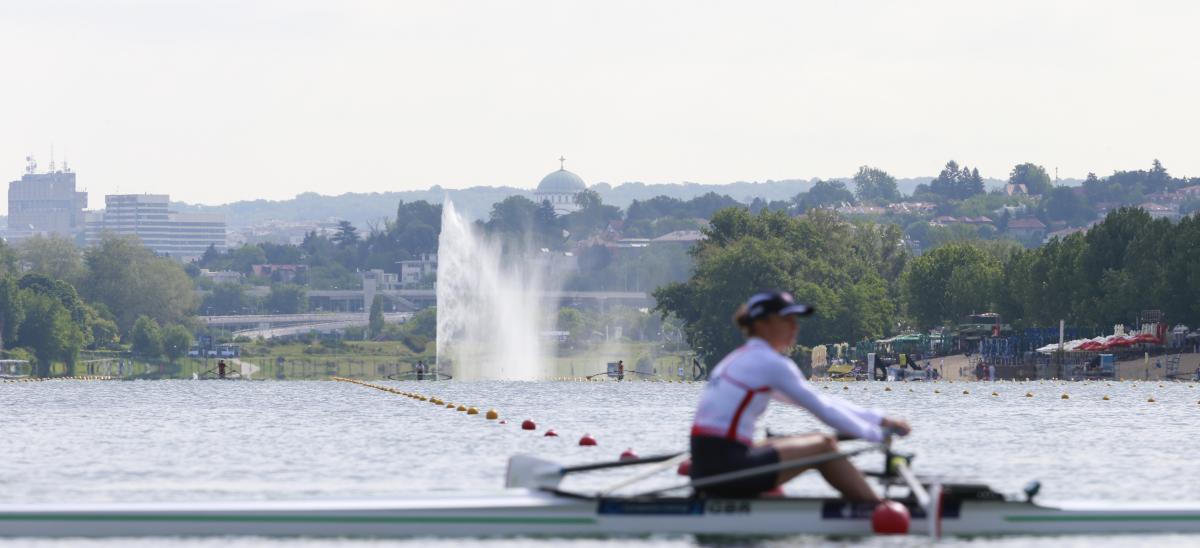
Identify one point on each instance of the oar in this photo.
(729, 477)
(536, 473)
(664, 465)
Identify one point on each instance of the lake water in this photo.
(188, 440)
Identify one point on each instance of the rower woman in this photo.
(738, 392)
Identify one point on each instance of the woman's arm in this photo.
(842, 415)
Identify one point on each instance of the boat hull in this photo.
(521, 512)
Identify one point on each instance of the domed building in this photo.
(559, 188)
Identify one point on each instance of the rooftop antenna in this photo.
(1055, 175)
(66, 167)
(561, 163)
(51, 158)
(30, 165)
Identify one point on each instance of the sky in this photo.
(213, 101)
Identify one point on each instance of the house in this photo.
(1027, 228)
(912, 207)
(1062, 234)
(861, 210)
(221, 276)
(684, 237)
(1159, 211)
(413, 271)
(279, 272)
(1016, 190)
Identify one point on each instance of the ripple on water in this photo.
(186, 440)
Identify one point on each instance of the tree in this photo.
(820, 259)
(48, 331)
(875, 186)
(55, 256)
(955, 183)
(1065, 204)
(146, 338)
(1033, 176)
(571, 320)
(12, 311)
(226, 299)
(286, 299)
(176, 341)
(130, 281)
(823, 194)
(950, 282)
(375, 321)
(346, 234)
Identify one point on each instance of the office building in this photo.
(148, 217)
(45, 203)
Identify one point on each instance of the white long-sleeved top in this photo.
(742, 384)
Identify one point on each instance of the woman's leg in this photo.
(840, 473)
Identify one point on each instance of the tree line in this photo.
(56, 300)
(1120, 267)
(865, 285)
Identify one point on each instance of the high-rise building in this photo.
(45, 203)
(148, 217)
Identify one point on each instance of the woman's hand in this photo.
(900, 426)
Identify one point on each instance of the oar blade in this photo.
(532, 472)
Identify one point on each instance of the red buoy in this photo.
(890, 518)
(528, 425)
(551, 434)
(628, 454)
(685, 468)
(587, 439)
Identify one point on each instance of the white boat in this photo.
(541, 509)
(516, 512)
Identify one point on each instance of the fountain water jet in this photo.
(490, 311)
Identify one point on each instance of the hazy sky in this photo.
(214, 101)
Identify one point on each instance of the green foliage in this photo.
(823, 260)
(955, 183)
(1065, 204)
(375, 318)
(226, 299)
(55, 256)
(48, 330)
(131, 282)
(176, 340)
(949, 283)
(572, 321)
(146, 339)
(347, 234)
(1033, 176)
(423, 323)
(286, 299)
(823, 194)
(875, 186)
(519, 223)
(12, 311)
(592, 217)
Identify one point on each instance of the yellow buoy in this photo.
(887, 389)
(936, 391)
(1105, 398)
(472, 411)
(1150, 399)
(461, 408)
(1029, 394)
(1066, 397)
(450, 405)
(845, 388)
(966, 391)
(492, 415)
(995, 394)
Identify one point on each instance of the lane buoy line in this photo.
(492, 414)
(73, 378)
